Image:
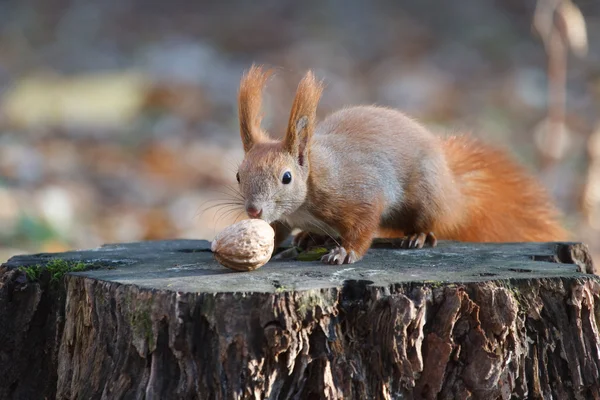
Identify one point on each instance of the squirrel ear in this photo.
(249, 105)
(303, 117)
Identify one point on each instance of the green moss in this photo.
(57, 268)
(308, 303)
(435, 284)
(516, 295)
(279, 288)
(140, 317)
(99, 296)
(32, 272)
(141, 322)
(312, 255)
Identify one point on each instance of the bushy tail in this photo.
(503, 202)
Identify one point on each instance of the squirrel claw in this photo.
(339, 255)
(418, 240)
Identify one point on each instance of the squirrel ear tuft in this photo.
(303, 117)
(249, 105)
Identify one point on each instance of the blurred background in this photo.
(118, 118)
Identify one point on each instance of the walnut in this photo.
(245, 245)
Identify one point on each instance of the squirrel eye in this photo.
(237, 176)
(287, 178)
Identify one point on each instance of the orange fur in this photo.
(502, 202)
(498, 200)
(357, 222)
(357, 228)
(366, 171)
(249, 105)
(303, 115)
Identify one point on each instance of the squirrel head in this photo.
(273, 177)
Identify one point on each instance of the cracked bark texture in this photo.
(352, 338)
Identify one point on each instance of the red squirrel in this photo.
(368, 171)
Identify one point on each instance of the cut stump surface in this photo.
(164, 320)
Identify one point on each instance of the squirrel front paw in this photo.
(339, 255)
(418, 240)
(306, 239)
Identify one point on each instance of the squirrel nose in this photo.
(253, 212)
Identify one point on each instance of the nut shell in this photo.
(245, 245)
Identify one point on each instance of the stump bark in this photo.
(162, 320)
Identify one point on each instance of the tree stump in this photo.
(163, 320)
